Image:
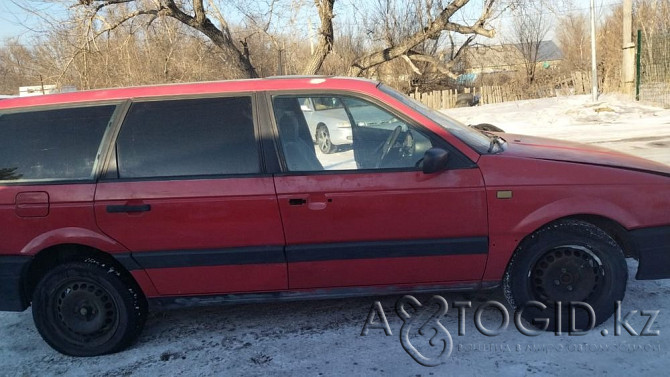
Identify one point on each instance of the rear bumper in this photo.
(12, 270)
(653, 248)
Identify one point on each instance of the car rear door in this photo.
(351, 219)
(186, 193)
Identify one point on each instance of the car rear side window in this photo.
(50, 145)
(194, 137)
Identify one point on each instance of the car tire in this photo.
(88, 309)
(323, 140)
(566, 261)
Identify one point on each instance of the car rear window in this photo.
(52, 145)
(194, 137)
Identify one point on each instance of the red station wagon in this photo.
(115, 200)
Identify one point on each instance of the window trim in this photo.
(467, 162)
(110, 172)
(101, 153)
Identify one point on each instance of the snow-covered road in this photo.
(324, 337)
(611, 122)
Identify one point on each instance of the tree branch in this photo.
(199, 9)
(437, 64)
(432, 31)
(239, 62)
(412, 65)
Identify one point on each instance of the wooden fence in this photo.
(576, 83)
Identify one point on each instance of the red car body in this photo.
(355, 232)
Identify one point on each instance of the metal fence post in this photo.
(638, 65)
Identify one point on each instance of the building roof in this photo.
(507, 55)
(548, 51)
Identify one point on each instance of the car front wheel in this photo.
(568, 263)
(323, 140)
(88, 309)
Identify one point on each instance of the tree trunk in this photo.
(240, 65)
(326, 37)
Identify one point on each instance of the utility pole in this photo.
(280, 62)
(628, 58)
(594, 64)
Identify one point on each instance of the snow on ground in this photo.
(611, 122)
(323, 337)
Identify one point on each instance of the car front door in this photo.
(368, 215)
(185, 193)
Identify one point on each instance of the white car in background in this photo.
(330, 125)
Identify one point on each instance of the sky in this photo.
(16, 22)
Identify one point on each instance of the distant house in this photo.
(478, 60)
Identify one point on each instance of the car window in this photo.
(195, 137)
(306, 104)
(326, 103)
(47, 145)
(351, 134)
(477, 140)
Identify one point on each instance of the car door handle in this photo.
(127, 209)
(296, 201)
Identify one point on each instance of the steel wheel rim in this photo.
(569, 273)
(85, 313)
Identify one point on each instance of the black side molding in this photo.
(304, 253)
(388, 249)
(195, 258)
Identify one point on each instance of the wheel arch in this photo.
(320, 124)
(606, 215)
(545, 268)
(588, 207)
(509, 244)
(610, 226)
(55, 255)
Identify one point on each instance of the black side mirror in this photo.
(435, 160)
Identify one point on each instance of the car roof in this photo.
(279, 83)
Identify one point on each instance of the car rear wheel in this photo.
(88, 309)
(323, 140)
(570, 261)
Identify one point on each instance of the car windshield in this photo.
(477, 140)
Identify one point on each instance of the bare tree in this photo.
(530, 28)
(434, 27)
(609, 41)
(127, 42)
(239, 61)
(574, 39)
(17, 66)
(197, 16)
(652, 17)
